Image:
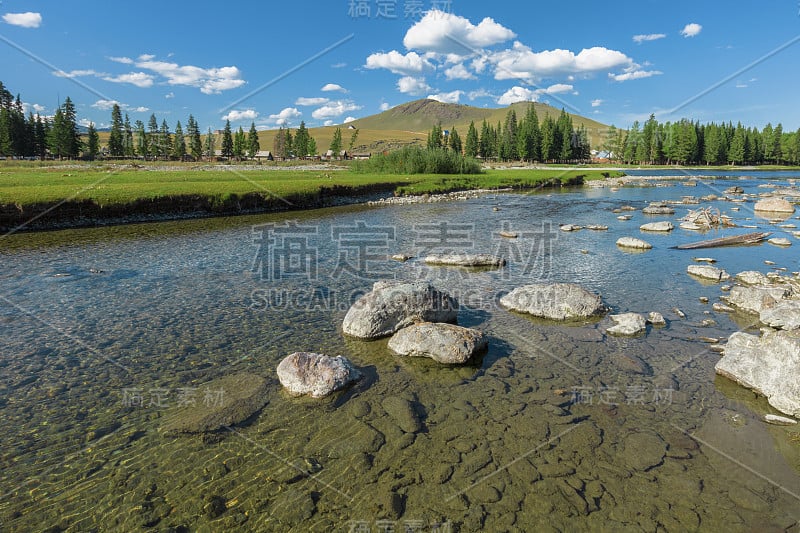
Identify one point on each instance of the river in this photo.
(558, 427)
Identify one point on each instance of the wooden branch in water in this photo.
(733, 240)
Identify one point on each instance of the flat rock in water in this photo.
(751, 277)
(403, 413)
(657, 319)
(444, 343)
(774, 205)
(624, 217)
(785, 314)
(466, 260)
(691, 226)
(755, 299)
(393, 305)
(570, 227)
(780, 241)
(708, 272)
(218, 404)
(631, 364)
(779, 420)
(315, 374)
(597, 227)
(659, 209)
(627, 324)
(770, 365)
(704, 260)
(663, 226)
(634, 243)
(556, 301)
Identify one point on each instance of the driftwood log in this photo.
(733, 240)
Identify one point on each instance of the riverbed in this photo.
(558, 427)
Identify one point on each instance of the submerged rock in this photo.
(755, 299)
(556, 301)
(315, 374)
(779, 420)
(627, 324)
(774, 205)
(392, 306)
(218, 404)
(658, 209)
(770, 365)
(663, 226)
(465, 260)
(708, 272)
(444, 343)
(633, 242)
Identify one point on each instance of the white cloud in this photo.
(413, 86)
(333, 87)
(339, 65)
(123, 60)
(76, 73)
(447, 98)
(639, 39)
(691, 30)
(139, 79)
(169, 95)
(286, 116)
(32, 108)
(518, 94)
(24, 20)
(558, 88)
(480, 93)
(334, 109)
(237, 116)
(634, 75)
(141, 109)
(146, 57)
(447, 33)
(385, 106)
(328, 123)
(394, 61)
(458, 72)
(208, 80)
(348, 120)
(105, 105)
(523, 63)
(597, 103)
(302, 101)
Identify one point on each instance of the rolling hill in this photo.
(410, 123)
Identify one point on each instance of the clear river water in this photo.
(558, 427)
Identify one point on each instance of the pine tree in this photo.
(279, 147)
(226, 147)
(312, 146)
(301, 140)
(166, 140)
(142, 140)
(253, 146)
(471, 143)
(736, 152)
(435, 137)
(179, 145)
(40, 137)
(353, 139)
(153, 134)
(239, 144)
(455, 141)
(195, 141)
(93, 142)
(336, 143)
(115, 138)
(65, 138)
(209, 147)
(128, 147)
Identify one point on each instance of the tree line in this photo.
(687, 142)
(526, 139)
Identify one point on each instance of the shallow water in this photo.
(557, 427)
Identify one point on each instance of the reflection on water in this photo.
(558, 426)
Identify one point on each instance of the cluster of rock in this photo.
(768, 364)
(433, 198)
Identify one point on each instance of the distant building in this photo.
(264, 155)
(360, 156)
(342, 155)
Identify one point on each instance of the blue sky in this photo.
(326, 62)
